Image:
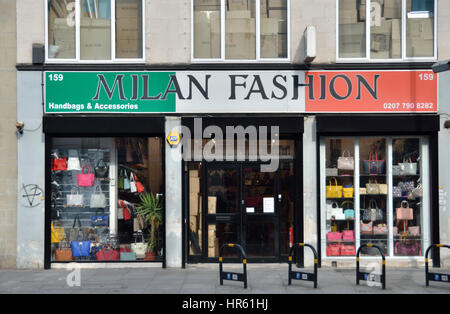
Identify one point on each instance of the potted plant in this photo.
(150, 209)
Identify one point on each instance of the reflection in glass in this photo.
(95, 30)
(207, 29)
(420, 28)
(273, 29)
(240, 27)
(61, 29)
(128, 29)
(352, 29)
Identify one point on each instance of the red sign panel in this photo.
(371, 91)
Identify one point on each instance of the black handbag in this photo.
(101, 171)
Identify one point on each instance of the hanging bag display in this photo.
(98, 200)
(126, 181)
(346, 161)
(140, 248)
(139, 186)
(334, 191)
(373, 166)
(57, 234)
(407, 167)
(80, 247)
(58, 164)
(133, 188)
(404, 212)
(74, 161)
(85, 179)
(101, 169)
(75, 198)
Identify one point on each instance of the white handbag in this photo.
(73, 162)
(407, 167)
(346, 162)
(75, 198)
(98, 200)
(333, 210)
(133, 187)
(140, 248)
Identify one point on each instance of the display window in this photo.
(106, 199)
(95, 30)
(240, 30)
(396, 29)
(374, 190)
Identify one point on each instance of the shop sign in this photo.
(241, 92)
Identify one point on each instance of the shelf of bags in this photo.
(341, 241)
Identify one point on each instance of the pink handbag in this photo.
(413, 249)
(404, 213)
(85, 179)
(348, 235)
(334, 236)
(348, 250)
(380, 229)
(367, 228)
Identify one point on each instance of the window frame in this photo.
(258, 58)
(403, 58)
(77, 58)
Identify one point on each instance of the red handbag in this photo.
(348, 250)
(334, 249)
(85, 179)
(108, 255)
(59, 164)
(139, 186)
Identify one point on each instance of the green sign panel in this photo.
(110, 92)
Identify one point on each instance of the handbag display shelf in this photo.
(66, 183)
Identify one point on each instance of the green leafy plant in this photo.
(150, 209)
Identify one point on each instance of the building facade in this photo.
(160, 130)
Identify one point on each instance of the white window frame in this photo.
(77, 58)
(258, 58)
(426, 199)
(404, 58)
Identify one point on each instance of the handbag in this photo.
(406, 186)
(334, 191)
(101, 169)
(348, 191)
(85, 179)
(75, 198)
(413, 249)
(108, 254)
(373, 166)
(80, 248)
(100, 220)
(334, 236)
(133, 188)
(366, 228)
(372, 188)
(126, 181)
(120, 180)
(404, 213)
(417, 192)
(73, 162)
(140, 248)
(395, 170)
(407, 167)
(396, 191)
(414, 231)
(57, 234)
(139, 186)
(349, 214)
(348, 235)
(380, 229)
(138, 223)
(64, 252)
(98, 200)
(334, 249)
(362, 191)
(346, 162)
(376, 214)
(383, 188)
(127, 256)
(347, 250)
(58, 164)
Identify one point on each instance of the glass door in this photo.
(223, 206)
(261, 227)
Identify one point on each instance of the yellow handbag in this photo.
(57, 234)
(348, 191)
(334, 191)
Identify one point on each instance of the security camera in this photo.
(19, 127)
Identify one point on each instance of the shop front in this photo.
(167, 166)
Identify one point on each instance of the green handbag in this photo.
(125, 256)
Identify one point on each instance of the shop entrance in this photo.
(246, 206)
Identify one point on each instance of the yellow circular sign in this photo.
(173, 138)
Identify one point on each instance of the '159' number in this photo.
(426, 76)
(56, 77)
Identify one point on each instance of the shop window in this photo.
(106, 202)
(388, 39)
(231, 25)
(95, 21)
(374, 190)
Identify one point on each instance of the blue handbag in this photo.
(349, 214)
(100, 220)
(80, 248)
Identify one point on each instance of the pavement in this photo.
(204, 279)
